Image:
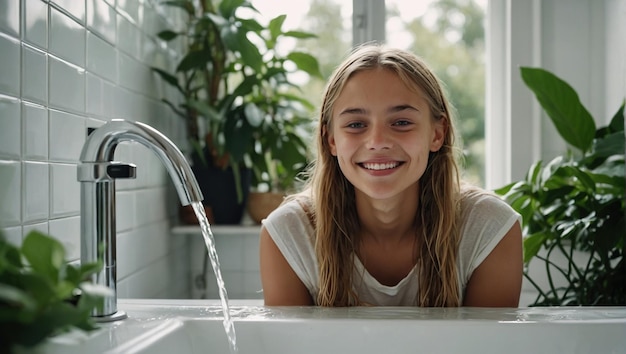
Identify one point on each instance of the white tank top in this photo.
(485, 220)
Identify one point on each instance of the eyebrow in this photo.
(393, 109)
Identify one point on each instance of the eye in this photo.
(402, 123)
(355, 125)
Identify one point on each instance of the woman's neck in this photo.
(389, 220)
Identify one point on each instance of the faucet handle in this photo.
(108, 170)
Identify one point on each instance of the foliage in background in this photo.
(454, 46)
(40, 294)
(575, 202)
(458, 61)
(232, 76)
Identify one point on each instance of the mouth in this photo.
(376, 166)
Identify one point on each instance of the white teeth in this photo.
(380, 166)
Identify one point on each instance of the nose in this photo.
(378, 137)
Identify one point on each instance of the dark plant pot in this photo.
(218, 187)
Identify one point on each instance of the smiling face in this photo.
(382, 133)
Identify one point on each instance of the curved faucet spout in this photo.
(101, 143)
(97, 173)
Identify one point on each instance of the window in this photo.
(329, 20)
(448, 34)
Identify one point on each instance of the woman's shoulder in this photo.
(478, 205)
(472, 197)
(294, 209)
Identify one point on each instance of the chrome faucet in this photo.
(97, 173)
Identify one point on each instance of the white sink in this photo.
(196, 326)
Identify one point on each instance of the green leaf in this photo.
(571, 119)
(45, 254)
(250, 54)
(532, 245)
(227, 8)
(504, 189)
(86, 270)
(35, 296)
(196, 59)
(617, 122)
(215, 19)
(611, 144)
(92, 296)
(582, 176)
(306, 62)
(10, 257)
(295, 98)
(72, 274)
(251, 25)
(275, 26)
(40, 287)
(241, 136)
(175, 109)
(55, 319)
(11, 296)
(167, 35)
(169, 78)
(299, 34)
(65, 289)
(246, 86)
(205, 110)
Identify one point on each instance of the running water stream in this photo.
(209, 241)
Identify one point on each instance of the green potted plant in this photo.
(233, 79)
(41, 295)
(574, 204)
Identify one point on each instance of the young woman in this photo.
(385, 220)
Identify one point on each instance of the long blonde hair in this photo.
(334, 210)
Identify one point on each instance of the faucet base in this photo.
(119, 315)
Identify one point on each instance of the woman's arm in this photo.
(281, 285)
(497, 281)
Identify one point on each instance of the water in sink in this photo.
(363, 330)
(209, 241)
(196, 326)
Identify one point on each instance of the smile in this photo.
(380, 166)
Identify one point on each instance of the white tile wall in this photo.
(14, 235)
(10, 120)
(10, 17)
(64, 190)
(67, 231)
(71, 64)
(34, 132)
(238, 254)
(94, 95)
(125, 201)
(128, 37)
(74, 8)
(35, 23)
(66, 136)
(102, 57)
(34, 75)
(41, 227)
(101, 19)
(9, 70)
(66, 38)
(67, 85)
(35, 188)
(10, 193)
